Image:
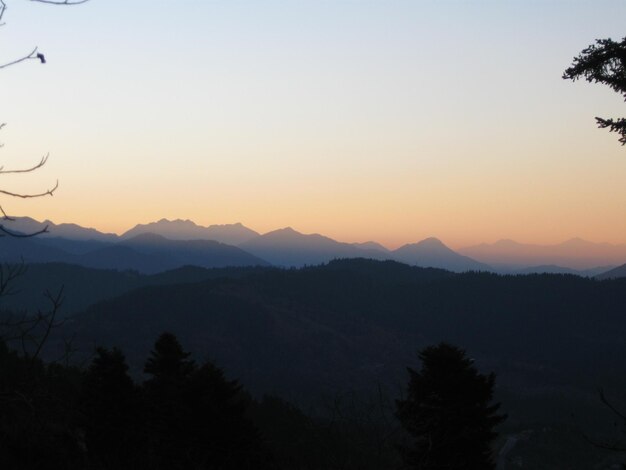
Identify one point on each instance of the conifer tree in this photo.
(603, 62)
(448, 413)
(111, 408)
(168, 361)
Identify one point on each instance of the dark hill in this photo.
(351, 323)
(85, 286)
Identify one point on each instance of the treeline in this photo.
(184, 415)
(187, 415)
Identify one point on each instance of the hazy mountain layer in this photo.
(231, 234)
(575, 253)
(287, 247)
(433, 253)
(147, 253)
(68, 231)
(615, 273)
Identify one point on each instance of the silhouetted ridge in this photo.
(231, 234)
(431, 252)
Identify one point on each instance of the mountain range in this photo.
(165, 244)
(231, 234)
(576, 254)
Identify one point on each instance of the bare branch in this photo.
(33, 332)
(8, 273)
(61, 2)
(5, 216)
(4, 231)
(41, 163)
(33, 55)
(57, 302)
(603, 445)
(48, 192)
(3, 7)
(609, 405)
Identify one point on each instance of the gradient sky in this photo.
(386, 120)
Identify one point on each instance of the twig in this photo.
(47, 192)
(33, 55)
(41, 163)
(61, 2)
(56, 301)
(4, 231)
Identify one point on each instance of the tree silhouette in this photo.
(447, 412)
(168, 361)
(112, 411)
(197, 418)
(603, 62)
(168, 410)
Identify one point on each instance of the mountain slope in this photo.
(146, 253)
(431, 252)
(67, 231)
(350, 324)
(203, 253)
(614, 273)
(287, 247)
(84, 286)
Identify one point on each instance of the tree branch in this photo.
(4, 231)
(61, 2)
(48, 192)
(41, 163)
(33, 55)
(3, 7)
(8, 273)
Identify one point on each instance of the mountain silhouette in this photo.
(67, 231)
(146, 253)
(287, 247)
(231, 234)
(614, 273)
(203, 253)
(431, 252)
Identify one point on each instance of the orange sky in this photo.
(390, 121)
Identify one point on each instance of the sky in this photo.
(362, 120)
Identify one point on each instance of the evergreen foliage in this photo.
(448, 412)
(112, 412)
(183, 417)
(604, 62)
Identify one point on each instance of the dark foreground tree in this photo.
(196, 418)
(448, 413)
(603, 62)
(112, 413)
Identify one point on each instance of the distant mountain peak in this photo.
(505, 242)
(371, 245)
(432, 242)
(432, 252)
(185, 229)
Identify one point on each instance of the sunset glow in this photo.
(389, 121)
